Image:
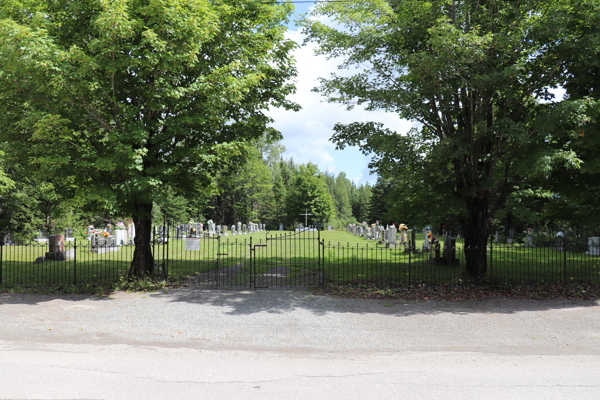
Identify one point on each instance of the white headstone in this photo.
(192, 244)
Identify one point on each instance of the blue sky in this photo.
(306, 133)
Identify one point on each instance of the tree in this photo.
(133, 96)
(308, 193)
(576, 197)
(245, 190)
(471, 73)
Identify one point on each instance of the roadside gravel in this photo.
(298, 321)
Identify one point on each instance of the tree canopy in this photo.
(134, 96)
(476, 76)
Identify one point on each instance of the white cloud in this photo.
(307, 132)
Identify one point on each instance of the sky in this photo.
(306, 133)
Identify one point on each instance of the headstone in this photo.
(560, 243)
(280, 227)
(511, 236)
(593, 246)
(239, 228)
(497, 236)
(233, 232)
(426, 239)
(56, 248)
(244, 229)
(382, 233)
(6, 238)
(120, 237)
(192, 244)
(530, 240)
(391, 237)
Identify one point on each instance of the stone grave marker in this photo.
(192, 244)
(593, 246)
(391, 237)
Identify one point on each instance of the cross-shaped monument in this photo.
(306, 214)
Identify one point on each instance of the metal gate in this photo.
(258, 260)
(287, 260)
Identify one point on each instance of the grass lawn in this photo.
(343, 258)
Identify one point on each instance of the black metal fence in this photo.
(293, 259)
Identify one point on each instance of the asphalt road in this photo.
(196, 344)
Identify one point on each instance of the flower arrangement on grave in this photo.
(432, 239)
(403, 227)
(120, 226)
(105, 234)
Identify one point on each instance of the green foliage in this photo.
(472, 74)
(130, 96)
(308, 193)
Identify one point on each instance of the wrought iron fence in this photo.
(296, 259)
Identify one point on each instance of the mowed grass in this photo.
(344, 258)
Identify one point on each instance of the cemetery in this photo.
(392, 254)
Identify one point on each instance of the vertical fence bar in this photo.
(1, 247)
(565, 263)
(75, 262)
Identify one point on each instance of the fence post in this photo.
(411, 245)
(166, 261)
(565, 262)
(491, 258)
(251, 265)
(75, 262)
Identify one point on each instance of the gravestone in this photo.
(560, 243)
(511, 236)
(233, 232)
(593, 246)
(280, 227)
(69, 235)
(225, 230)
(104, 244)
(530, 240)
(120, 237)
(426, 243)
(239, 228)
(391, 237)
(244, 229)
(497, 236)
(192, 244)
(6, 238)
(56, 248)
(329, 227)
(382, 233)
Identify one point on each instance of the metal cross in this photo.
(306, 214)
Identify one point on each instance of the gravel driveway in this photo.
(276, 334)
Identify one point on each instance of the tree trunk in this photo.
(475, 227)
(143, 261)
